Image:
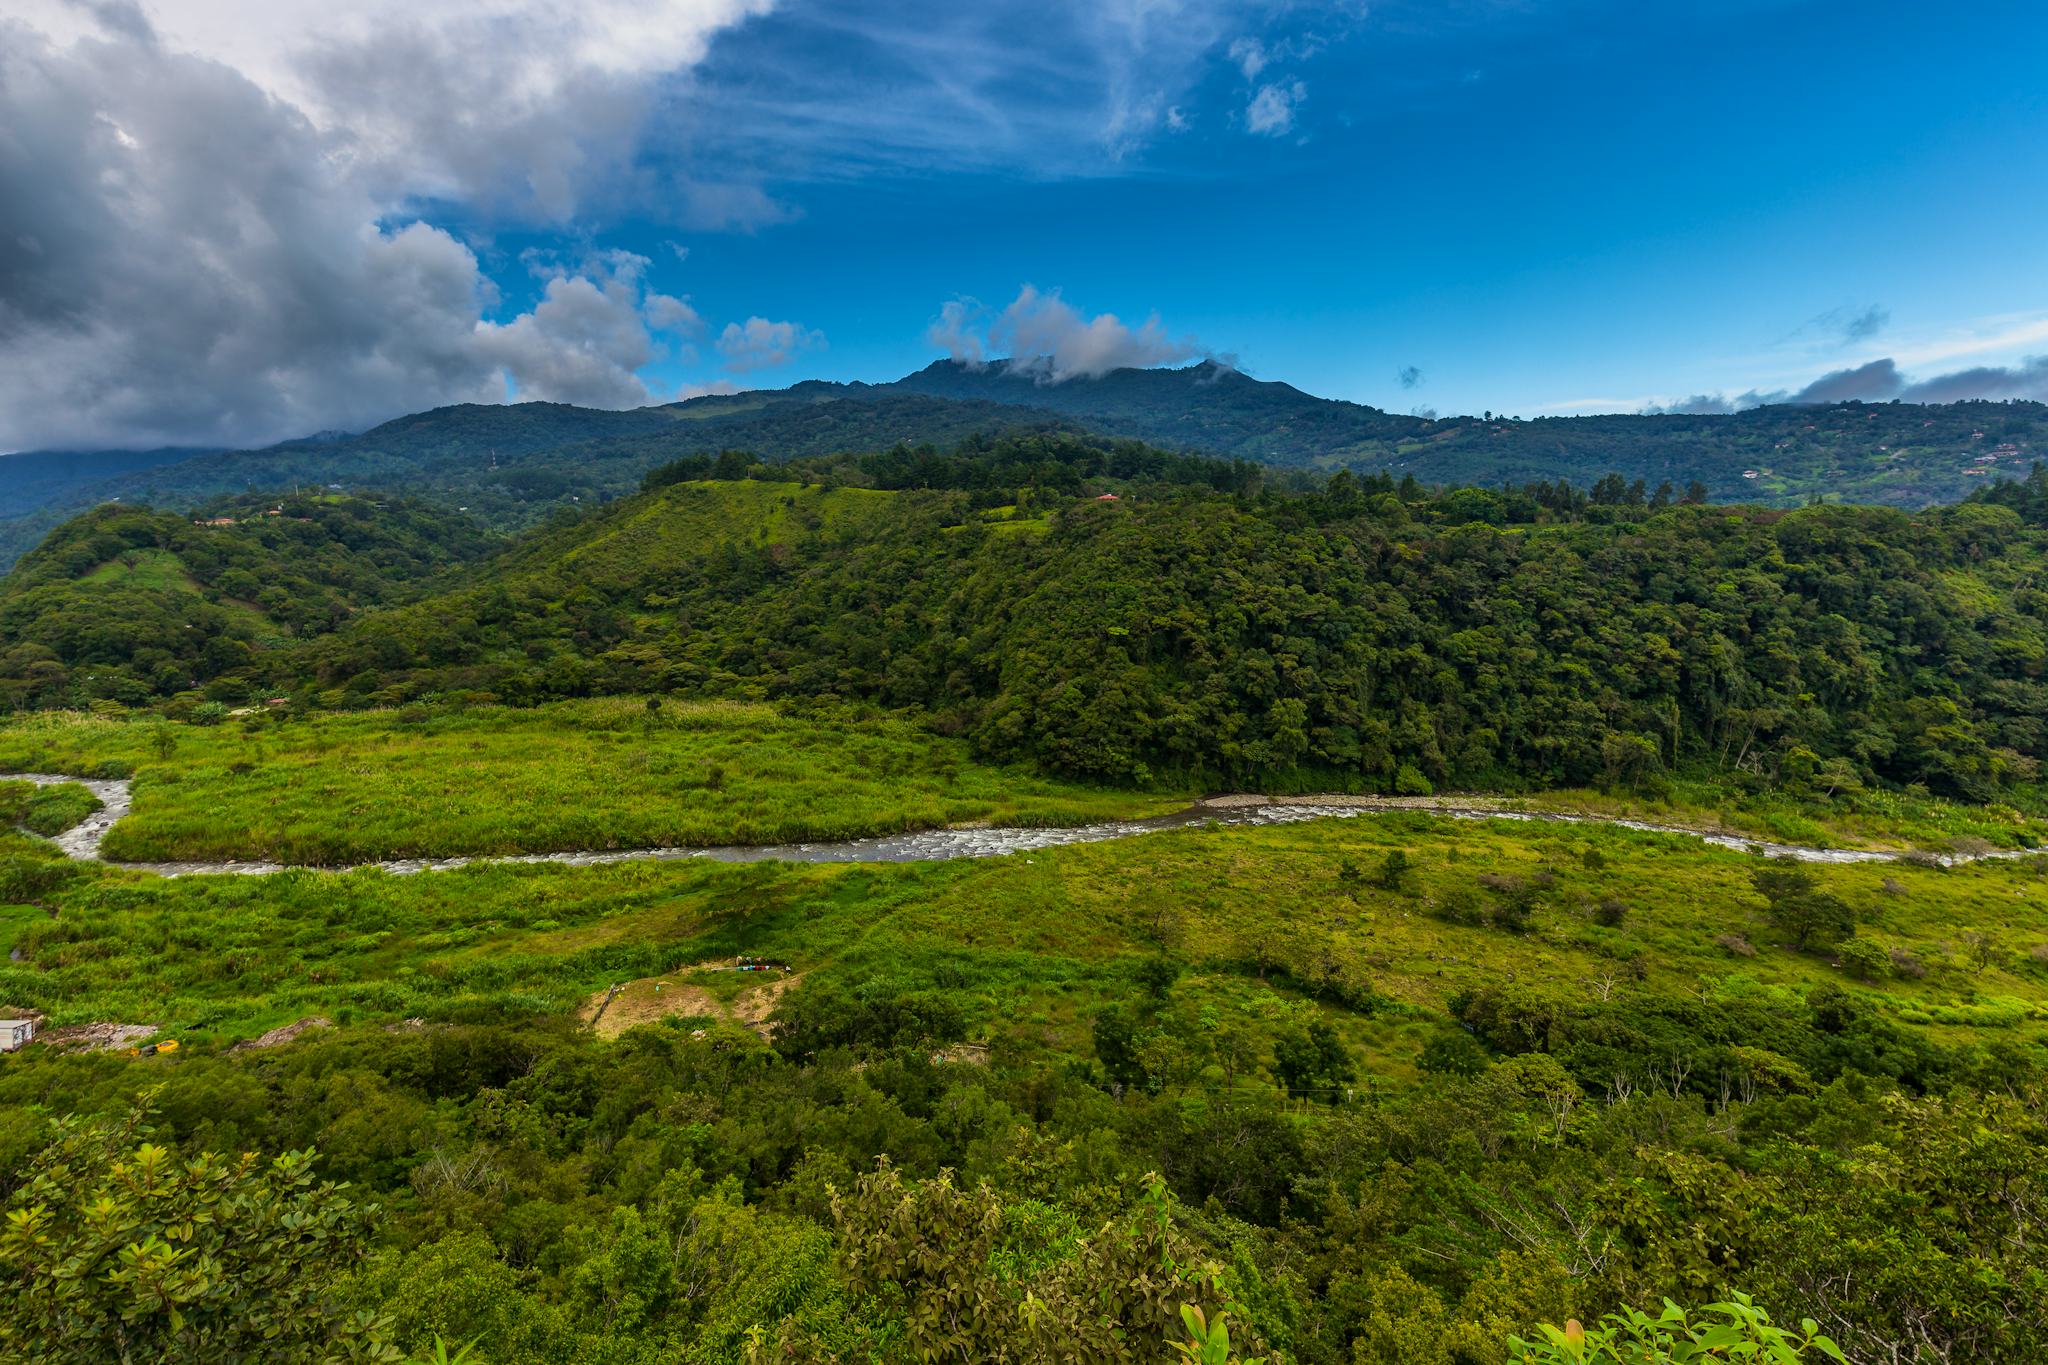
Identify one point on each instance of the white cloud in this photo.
(581, 343)
(759, 344)
(1271, 112)
(666, 313)
(1047, 337)
(185, 259)
(531, 106)
(1251, 57)
(955, 332)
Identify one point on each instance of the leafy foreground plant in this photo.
(1633, 1337)
(930, 1256)
(116, 1250)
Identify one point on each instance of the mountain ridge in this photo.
(516, 463)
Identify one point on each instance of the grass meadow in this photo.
(333, 789)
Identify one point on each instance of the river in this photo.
(83, 841)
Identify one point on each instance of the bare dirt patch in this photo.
(674, 995)
(97, 1037)
(278, 1037)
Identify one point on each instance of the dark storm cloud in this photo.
(185, 258)
(1872, 383)
(1880, 381)
(2028, 379)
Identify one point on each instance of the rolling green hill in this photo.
(1352, 638)
(513, 466)
(133, 603)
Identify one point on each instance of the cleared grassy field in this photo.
(334, 789)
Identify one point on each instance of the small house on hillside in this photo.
(1107, 497)
(15, 1033)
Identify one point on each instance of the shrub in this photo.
(1409, 781)
(1460, 905)
(115, 1249)
(1795, 904)
(1313, 1061)
(1393, 871)
(1452, 1054)
(1514, 899)
(1863, 958)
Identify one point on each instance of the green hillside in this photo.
(512, 466)
(1352, 639)
(1108, 612)
(125, 603)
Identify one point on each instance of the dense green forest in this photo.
(1194, 629)
(130, 603)
(511, 466)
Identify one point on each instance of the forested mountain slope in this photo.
(1338, 639)
(127, 603)
(1906, 454)
(510, 466)
(1191, 630)
(36, 479)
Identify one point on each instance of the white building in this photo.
(15, 1032)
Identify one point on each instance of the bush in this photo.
(1863, 958)
(1409, 781)
(1393, 871)
(1452, 1054)
(115, 1249)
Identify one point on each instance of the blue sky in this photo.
(1526, 207)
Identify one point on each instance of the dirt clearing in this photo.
(675, 994)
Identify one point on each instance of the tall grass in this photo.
(424, 782)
